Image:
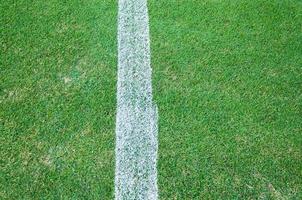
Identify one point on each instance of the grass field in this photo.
(227, 78)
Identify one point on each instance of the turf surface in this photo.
(227, 79)
(58, 69)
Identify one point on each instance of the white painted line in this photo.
(136, 121)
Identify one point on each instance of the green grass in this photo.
(228, 82)
(58, 69)
(227, 78)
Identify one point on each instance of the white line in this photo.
(136, 121)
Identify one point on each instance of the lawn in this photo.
(227, 79)
(58, 78)
(228, 82)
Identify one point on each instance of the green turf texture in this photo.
(227, 78)
(58, 69)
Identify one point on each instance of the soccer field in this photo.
(226, 78)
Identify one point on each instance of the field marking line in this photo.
(136, 119)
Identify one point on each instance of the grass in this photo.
(226, 77)
(58, 69)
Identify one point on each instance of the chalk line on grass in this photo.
(136, 120)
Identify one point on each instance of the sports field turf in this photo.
(227, 79)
